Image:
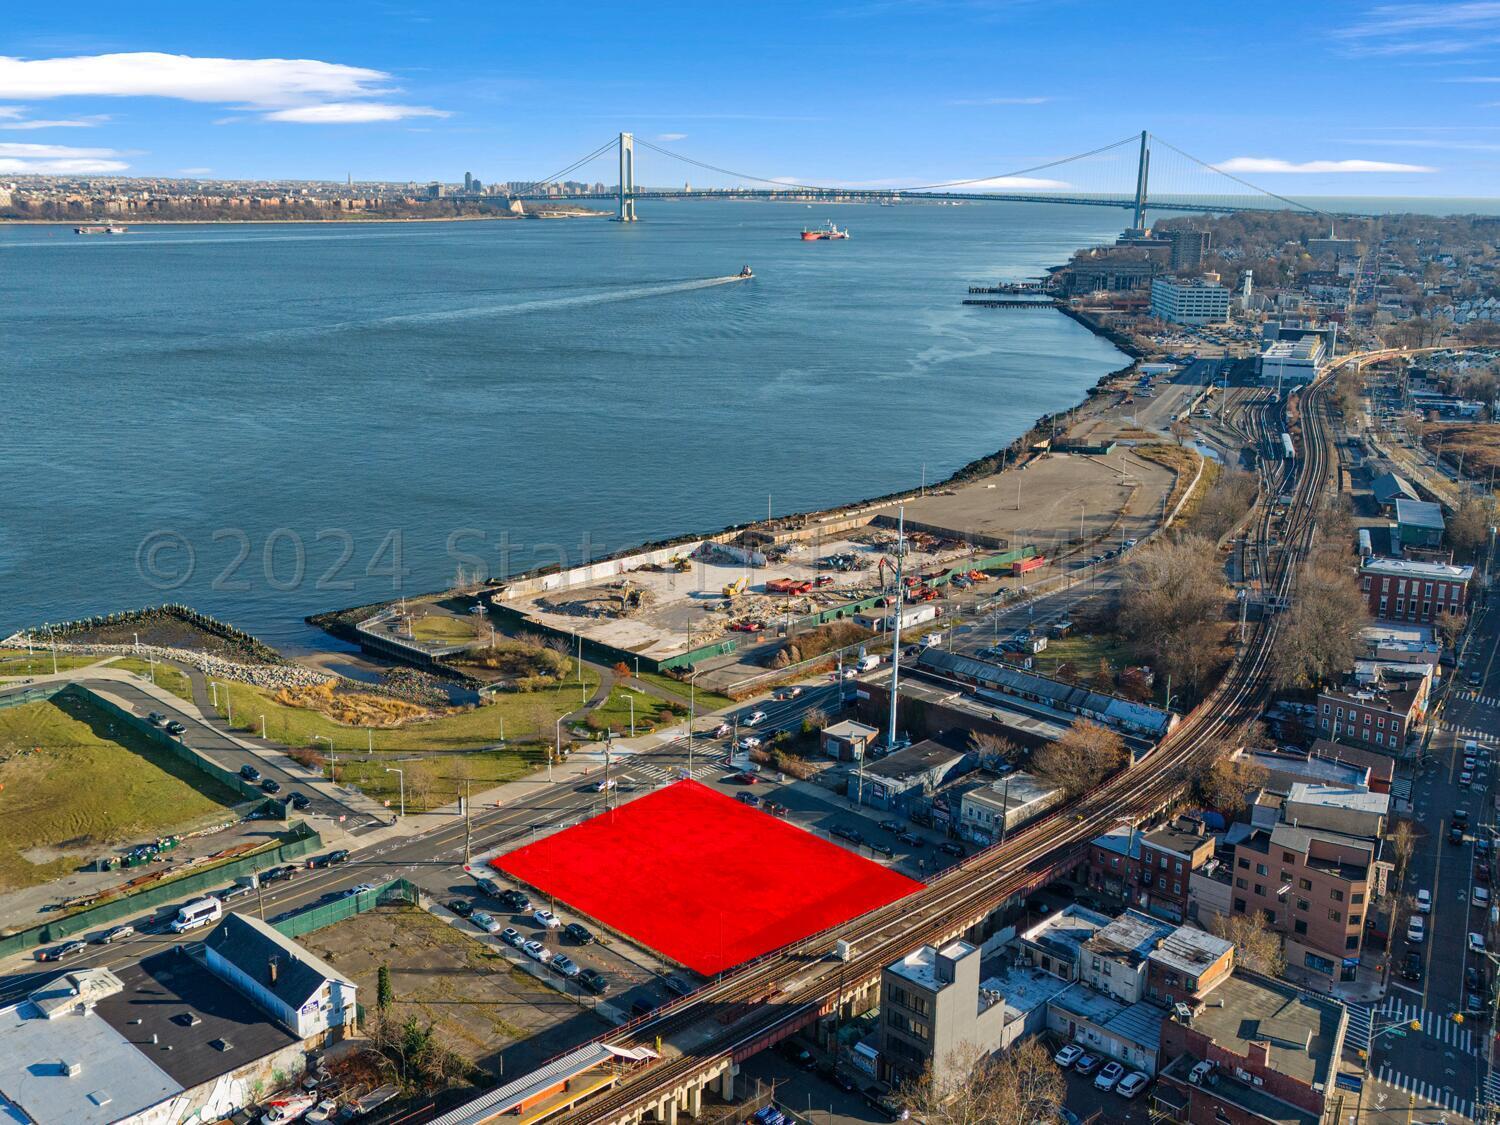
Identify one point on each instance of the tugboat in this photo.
(108, 228)
(825, 233)
(745, 274)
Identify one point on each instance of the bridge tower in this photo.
(626, 195)
(1142, 173)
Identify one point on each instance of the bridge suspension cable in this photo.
(1293, 203)
(556, 177)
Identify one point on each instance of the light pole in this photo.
(560, 719)
(332, 761)
(263, 729)
(401, 780)
(692, 714)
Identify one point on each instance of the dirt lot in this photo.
(501, 1018)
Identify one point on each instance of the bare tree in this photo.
(1172, 606)
(1227, 784)
(1085, 755)
(1451, 626)
(1256, 945)
(1403, 845)
(993, 750)
(1320, 637)
(1019, 1085)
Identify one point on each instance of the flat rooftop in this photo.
(921, 967)
(1416, 568)
(703, 879)
(1022, 990)
(191, 1012)
(1065, 932)
(115, 1079)
(1132, 936)
(1305, 1031)
(1190, 950)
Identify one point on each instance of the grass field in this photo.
(432, 783)
(706, 700)
(616, 711)
(1083, 653)
(15, 662)
(438, 628)
(173, 679)
(73, 788)
(526, 715)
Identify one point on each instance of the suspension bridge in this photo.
(1139, 173)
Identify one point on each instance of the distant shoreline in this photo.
(267, 222)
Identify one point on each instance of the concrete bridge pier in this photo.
(695, 1100)
(726, 1081)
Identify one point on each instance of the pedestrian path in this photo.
(1429, 1092)
(702, 769)
(1465, 732)
(1436, 1025)
(1475, 697)
(1358, 1033)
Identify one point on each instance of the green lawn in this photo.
(1084, 653)
(174, 679)
(434, 782)
(437, 628)
(15, 662)
(706, 700)
(528, 716)
(71, 783)
(616, 711)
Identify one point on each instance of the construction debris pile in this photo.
(622, 598)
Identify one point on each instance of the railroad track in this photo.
(789, 988)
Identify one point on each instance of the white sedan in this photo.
(546, 919)
(537, 951)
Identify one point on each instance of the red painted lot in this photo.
(702, 878)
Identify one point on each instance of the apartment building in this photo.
(1413, 590)
(1189, 301)
(1151, 870)
(1380, 716)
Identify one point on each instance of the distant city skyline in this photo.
(1346, 98)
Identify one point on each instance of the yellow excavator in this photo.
(736, 588)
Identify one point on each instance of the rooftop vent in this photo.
(72, 1068)
(222, 1045)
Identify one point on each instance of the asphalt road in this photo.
(1441, 1067)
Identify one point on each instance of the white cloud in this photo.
(1424, 29)
(1267, 164)
(14, 117)
(669, 137)
(152, 74)
(351, 113)
(307, 91)
(58, 159)
(1034, 100)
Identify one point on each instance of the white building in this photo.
(991, 811)
(1293, 362)
(883, 621)
(1189, 301)
(298, 989)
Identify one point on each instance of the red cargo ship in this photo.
(825, 233)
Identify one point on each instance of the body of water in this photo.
(268, 421)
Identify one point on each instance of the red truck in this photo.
(1024, 566)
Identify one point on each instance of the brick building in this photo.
(1151, 870)
(1379, 716)
(1412, 590)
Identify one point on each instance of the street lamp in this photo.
(560, 719)
(332, 761)
(401, 779)
(692, 714)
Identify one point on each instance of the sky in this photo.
(1327, 98)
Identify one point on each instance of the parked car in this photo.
(799, 1056)
(1474, 1004)
(843, 832)
(1481, 899)
(278, 874)
(513, 937)
(489, 886)
(1087, 1064)
(537, 951)
(890, 825)
(484, 922)
(1416, 929)
(565, 965)
(118, 933)
(460, 906)
(577, 932)
(953, 847)
(1068, 1055)
(594, 981)
(1455, 834)
(270, 785)
(299, 800)
(156, 718)
(1132, 1084)
(359, 889)
(910, 839)
(514, 901)
(1109, 1077)
(881, 848)
(174, 727)
(748, 777)
(1424, 901)
(748, 799)
(1461, 819)
(1476, 942)
(1411, 966)
(325, 1110)
(250, 773)
(546, 919)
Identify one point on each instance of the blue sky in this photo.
(1328, 98)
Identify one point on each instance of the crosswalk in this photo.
(1475, 697)
(1436, 1025)
(704, 768)
(1358, 1034)
(1492, 1089)
(1476, 733)
(1429, 1092)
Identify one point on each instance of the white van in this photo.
(195, 915)
(867, 662)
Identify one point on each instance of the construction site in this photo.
(726, 604)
